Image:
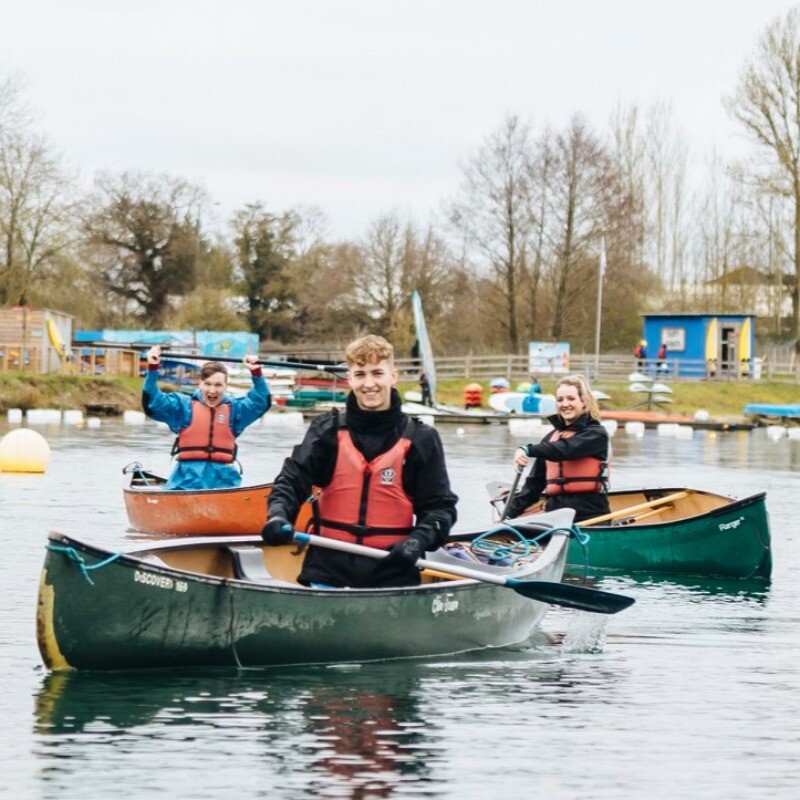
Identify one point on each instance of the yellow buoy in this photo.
(24, 450)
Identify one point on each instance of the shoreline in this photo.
(112, 396)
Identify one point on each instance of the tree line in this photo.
(513, 256)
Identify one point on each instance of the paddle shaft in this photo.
(511, 494)
(335, 369)
(545, 591)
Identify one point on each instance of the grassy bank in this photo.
(723, 400)
(23, 390)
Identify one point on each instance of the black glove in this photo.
(406, 553)
(278, 530)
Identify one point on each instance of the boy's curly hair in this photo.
(369, 349)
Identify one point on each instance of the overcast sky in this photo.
(359, 106)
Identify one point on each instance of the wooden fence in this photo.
(514, 368)
(611, 367)
(75, 360)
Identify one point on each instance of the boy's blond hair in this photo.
(580, 383)
(369, 349)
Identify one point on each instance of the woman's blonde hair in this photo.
(580, 383)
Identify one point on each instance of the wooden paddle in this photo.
(559, 594)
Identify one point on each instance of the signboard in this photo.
(548, 357)
(674, 339)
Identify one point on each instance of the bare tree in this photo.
(36, 204)
(143, 231)
(582, 183)
(382, 284)
(265, 248)
(767, 103)
(493, 212)
(667, 195)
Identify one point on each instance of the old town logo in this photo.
(387, 475)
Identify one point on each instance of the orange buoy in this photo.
(473, 395)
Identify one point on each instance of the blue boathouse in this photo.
(702, 345)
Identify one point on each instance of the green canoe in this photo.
(234, 602)
(677, 531)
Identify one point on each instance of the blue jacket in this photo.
(175, 409)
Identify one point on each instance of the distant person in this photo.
(571, 466)
(640, 353)
(425, 388)
(382, 481)
(415, 362)
(207, 423)
(535, 387)
(662, 358)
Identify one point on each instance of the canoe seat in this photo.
(248, 565)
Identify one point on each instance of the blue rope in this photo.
(582, 538)
(73, 555)
(503, 554)
(511, 553)
(140, 471)
(137, 470)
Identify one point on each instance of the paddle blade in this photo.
(569, 596)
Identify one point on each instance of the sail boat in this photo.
(429, 368)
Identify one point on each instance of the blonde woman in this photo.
(571, 462)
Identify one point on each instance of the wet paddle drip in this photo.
(73, 555)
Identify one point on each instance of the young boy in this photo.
(382, 477)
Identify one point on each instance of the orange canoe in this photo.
(210, 512)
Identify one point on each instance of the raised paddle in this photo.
(558, 594)
(335, 369)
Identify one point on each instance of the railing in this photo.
(514, 368)
(15, 357)
(83, 360)
(610, 367)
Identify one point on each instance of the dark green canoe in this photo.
(678, 531)
(233, 602)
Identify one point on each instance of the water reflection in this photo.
(356, 733)
(695, 588)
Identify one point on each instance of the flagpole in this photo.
(602, 272)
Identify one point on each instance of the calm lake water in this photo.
(692, 692)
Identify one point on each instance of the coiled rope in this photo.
(483, 549)
(73, 555)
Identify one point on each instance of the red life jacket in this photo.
(365, 501)
(208, 436)
(576, 476)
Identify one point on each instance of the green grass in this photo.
(23, 390)
(722, 399)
